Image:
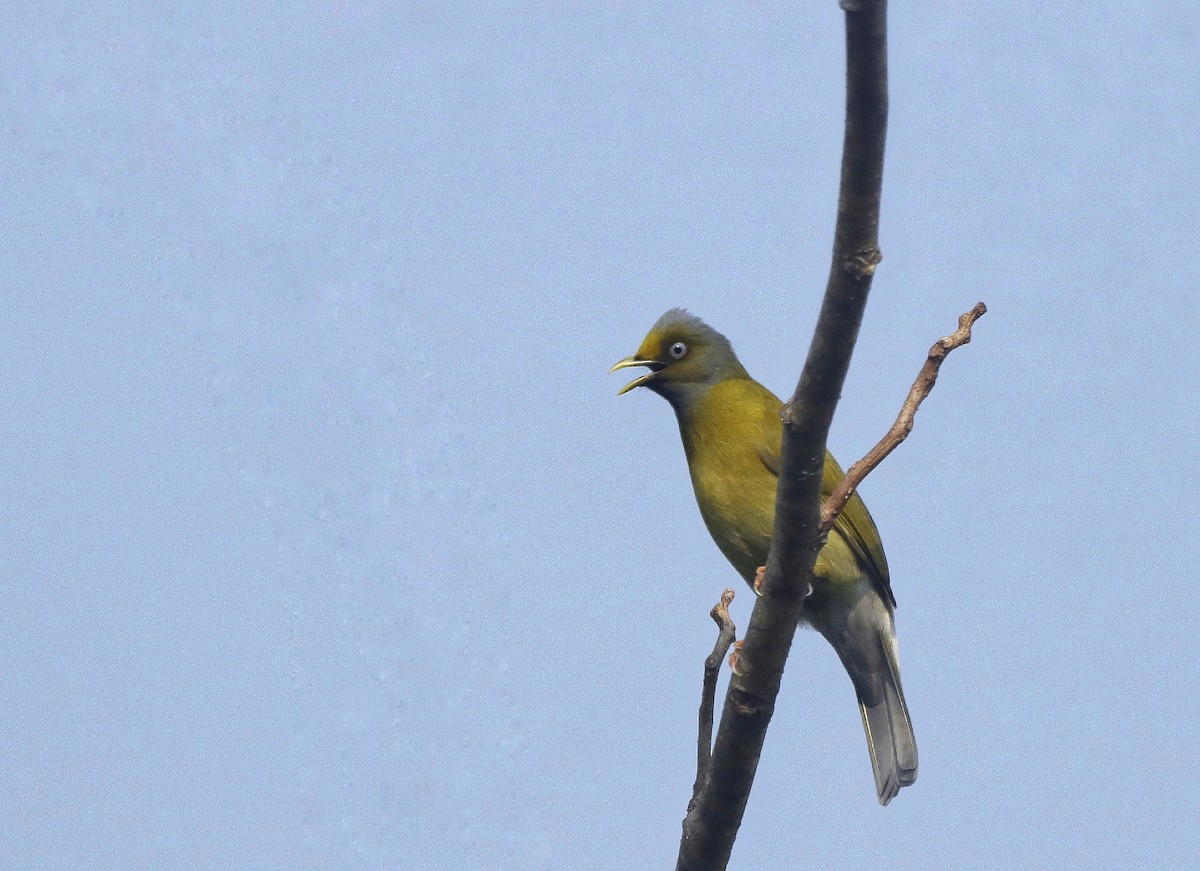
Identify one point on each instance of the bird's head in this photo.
(684, 356)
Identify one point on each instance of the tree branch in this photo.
(712, 668)
(926, 378)
(712, 823)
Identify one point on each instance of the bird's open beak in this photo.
(653, 365)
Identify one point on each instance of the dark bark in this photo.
(713, 821)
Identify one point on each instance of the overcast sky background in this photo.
(326, 542)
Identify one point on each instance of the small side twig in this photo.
(712, 668)
(926, 378)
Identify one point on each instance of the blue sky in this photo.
(328, 544)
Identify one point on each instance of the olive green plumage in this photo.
(732, 437)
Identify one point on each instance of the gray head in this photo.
(685, 357)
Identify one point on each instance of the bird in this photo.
(732, 436)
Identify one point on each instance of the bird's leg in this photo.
(759, 574)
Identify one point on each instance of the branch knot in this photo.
(860, 265)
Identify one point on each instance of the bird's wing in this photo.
(854, 523)
(857, 527)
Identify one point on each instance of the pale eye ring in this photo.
(677, 350)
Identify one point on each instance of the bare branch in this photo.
(713, 820)
(926, 378)
(712, 668)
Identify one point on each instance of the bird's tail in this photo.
(885, 720)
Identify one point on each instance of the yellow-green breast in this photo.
(724, 436)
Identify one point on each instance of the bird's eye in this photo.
(678, 350)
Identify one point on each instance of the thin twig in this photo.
(926, 378)
(712, 668)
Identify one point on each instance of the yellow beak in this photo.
(630, 362)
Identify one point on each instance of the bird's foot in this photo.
(733, 657)
(759, 574)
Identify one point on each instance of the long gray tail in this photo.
(889, 732)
